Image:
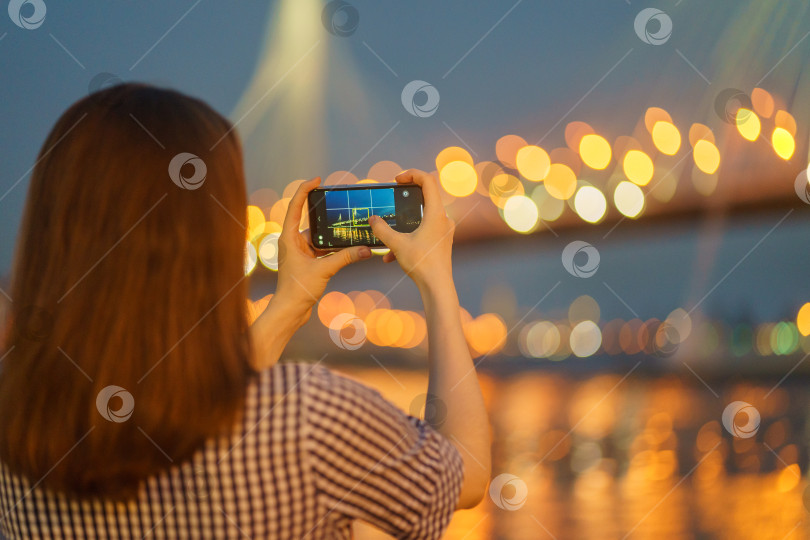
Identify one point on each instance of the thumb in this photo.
(345, 257)
(384, 232)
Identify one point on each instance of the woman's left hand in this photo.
(303, 271)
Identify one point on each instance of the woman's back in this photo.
(312, 452)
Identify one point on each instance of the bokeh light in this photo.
(268, 251)
(458, 178)
(548, 207)
(748, 124)
(540, 339)
(595, 151)
(502, 187)
(638, 167)
(255, 222)
(629, 199)
(590, 204)
(584, 308)
(666, 138)
(520, 213)
(561, 182)
(783, 143)
(251, 257)
(533, 163)
(706, 156)
(585, 339)
(486, 334)
(451, 154)
(507, 148)
(803, 320)
(763, 102)
(333, 304)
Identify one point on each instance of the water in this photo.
(609, 457)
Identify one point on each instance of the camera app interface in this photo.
(347, 213)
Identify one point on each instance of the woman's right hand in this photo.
(425, 254)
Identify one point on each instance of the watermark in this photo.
(751, 415)
(508, 492)
(347, 331)
(27, 14)
(340, 18)
(728, 103)
(34, 323)
(122, 413)
(435, 410)
(429, 102)
(802, 186)
(577, 250)
(181, 161)
(648, 17)
(666, 340)
(102, 81)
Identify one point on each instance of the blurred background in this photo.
(629, 182)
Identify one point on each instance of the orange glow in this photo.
(700, 132)
(367, 181)
(638, 167)
(507, 148)
(785, 120)
(666, 138)
(486, 334)
(272, 227)
(333, 304)
(363, 303)
(451, 154)
(561, 182)
(291, 188)
(803, 320)
(763, 102)
(279, 210)
(502, 187)
(595, 151)
(788, 478)
(383, 171)
(408, 328)
(255, 222)
(419, 330)
(574, 132)
(533, 163)
(783, 143)
(655, 115)
(458, 178)
(707, 156)
(340, 177)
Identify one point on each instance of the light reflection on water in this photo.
(606, 457)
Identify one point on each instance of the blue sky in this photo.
(524, 67)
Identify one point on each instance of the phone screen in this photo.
(339, 214)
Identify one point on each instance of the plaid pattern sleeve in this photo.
(371, 461)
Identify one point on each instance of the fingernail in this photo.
(372, 218)
(364, 252)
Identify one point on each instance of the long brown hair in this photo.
(131, 275)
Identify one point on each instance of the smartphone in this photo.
(338, 215)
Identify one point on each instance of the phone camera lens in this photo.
(405, 193)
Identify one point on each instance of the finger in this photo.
(384, 232)
(345, 257)
(293, 217)
(430, 188)
(389, 257)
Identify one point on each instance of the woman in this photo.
(135, 400)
